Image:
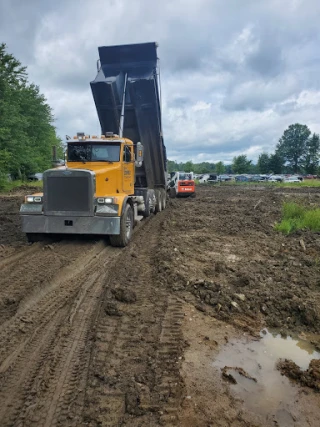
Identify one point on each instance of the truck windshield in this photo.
(93, 153)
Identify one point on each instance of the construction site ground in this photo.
(156, 333)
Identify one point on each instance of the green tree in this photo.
(292, 146)
(220, 168)
(264, 163)
(172, 166)
(27, 133)
(311, 161)
(188, 167)
(228, 169)
(275, 164)
(241, 164)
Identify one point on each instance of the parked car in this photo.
(212, 178)
(203, 178)
(292, 179)
(255, 178)
(242, 178)
(275, 178)
(224, 178)
(35, 177)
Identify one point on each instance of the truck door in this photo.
(128, 170)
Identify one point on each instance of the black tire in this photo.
(126, 226)
(164, 199)
(158, 207)
(147, 204)
(172, 193)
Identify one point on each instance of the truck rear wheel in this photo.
(147, 203)
(158, 201)
(172, 193)
(164, 199)
(126, 227)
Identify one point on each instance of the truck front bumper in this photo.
(70, 225)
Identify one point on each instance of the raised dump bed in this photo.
(133, 69)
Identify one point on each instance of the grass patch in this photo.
(311, 220)
(291, 210)
(298, 217)
(7, 186)
(306, 183)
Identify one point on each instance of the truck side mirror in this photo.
(139, 154)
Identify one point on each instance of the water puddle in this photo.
(251, 370)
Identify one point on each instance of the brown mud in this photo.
(99, 336)
(309, 377)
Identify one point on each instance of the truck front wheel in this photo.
(126, 227)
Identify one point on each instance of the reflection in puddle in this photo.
(272, 396)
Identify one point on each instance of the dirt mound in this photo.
(224, 251)
(10, 223)
(309, 378)
(124, 295)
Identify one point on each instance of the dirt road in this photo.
(97, 336)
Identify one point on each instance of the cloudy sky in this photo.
(235, 73)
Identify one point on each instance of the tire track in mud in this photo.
(170, 386)
(134, 375)
(10, 260)
(44, 364)
(35, 271)
(67, 360)
(68, 367)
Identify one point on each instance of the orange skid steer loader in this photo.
(182, 185)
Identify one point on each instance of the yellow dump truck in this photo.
(113, 180)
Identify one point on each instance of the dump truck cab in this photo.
(111, 158)
(93, 194)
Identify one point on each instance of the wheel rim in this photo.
(128, 225)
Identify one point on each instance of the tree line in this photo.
(298, 151)
(27, 133)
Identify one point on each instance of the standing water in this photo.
(264, 390)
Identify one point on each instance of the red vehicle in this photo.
(182, 185)
(310, 176)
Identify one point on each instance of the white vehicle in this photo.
(275, 178)
(204, 178)
(292, 179)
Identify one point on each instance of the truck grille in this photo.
(68, 193)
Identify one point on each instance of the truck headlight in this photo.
(33, 199)
(106, 200)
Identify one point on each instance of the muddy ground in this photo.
(98, 336)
